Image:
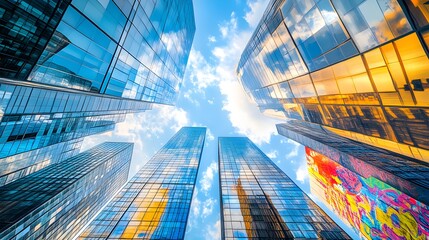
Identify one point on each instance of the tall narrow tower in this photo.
(155, 203)
(260, 201)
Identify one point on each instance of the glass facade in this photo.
(374, 209)
(356, 67)
(259, 201)
(56, 202)
(129, 49)
(405, 174)
(25, 28)
(20, 165)
(41, 125)
(155, 203)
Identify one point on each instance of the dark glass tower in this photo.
(70, 69)
(58, 201)
(358, 68)
(259, 201)
(155, 203)
(373, 208)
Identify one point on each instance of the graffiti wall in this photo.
(373, 208)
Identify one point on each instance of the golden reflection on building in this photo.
(148, 214)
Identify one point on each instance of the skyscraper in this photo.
(155, 203)
(405, 174)
(357, 68)
(129, 49)
(71, 69)
(37, 118)
(259, 201)
(58, 201)
(374, 209)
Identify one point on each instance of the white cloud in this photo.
(199, 72)
(210, 101)
(210, 136)
(196, 203)
(189, 96)
(302, 172)
(227, 28)
(213, 232)
(273, 154)
(212, 39)
(245, 116)
(257, 9)
(208, 175)
(208, 206)
(295, 149)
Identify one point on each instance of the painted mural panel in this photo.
(373, 208)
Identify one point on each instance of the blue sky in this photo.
(211, 96)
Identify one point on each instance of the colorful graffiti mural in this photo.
(373, 208)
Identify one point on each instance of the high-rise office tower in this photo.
(43, 125)
(58, 201)
(373, 208)
(155, 203)
(403, 173)
(357, 68)
(74, 68)
(131, 49)
(259, 201)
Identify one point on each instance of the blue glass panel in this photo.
(77, 56)
(105, 15)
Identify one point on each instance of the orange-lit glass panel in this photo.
(382, 79)
(346, 85)
(374, 58)
(362, 83)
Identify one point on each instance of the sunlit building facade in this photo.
(405, 174)
(358, 68)
(155, 203)
(374, 209)
(259, 201)
(72, 68)
(58, 201)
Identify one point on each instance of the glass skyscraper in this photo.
(357, 68)
(129, 49)
(374, 209)
(259, 201)
(40, 124)
(58, 201)
(155, 203)
(72, 68)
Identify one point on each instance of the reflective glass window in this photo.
(372, 22)
(105, 14)
(318, 32)
(77, 56)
